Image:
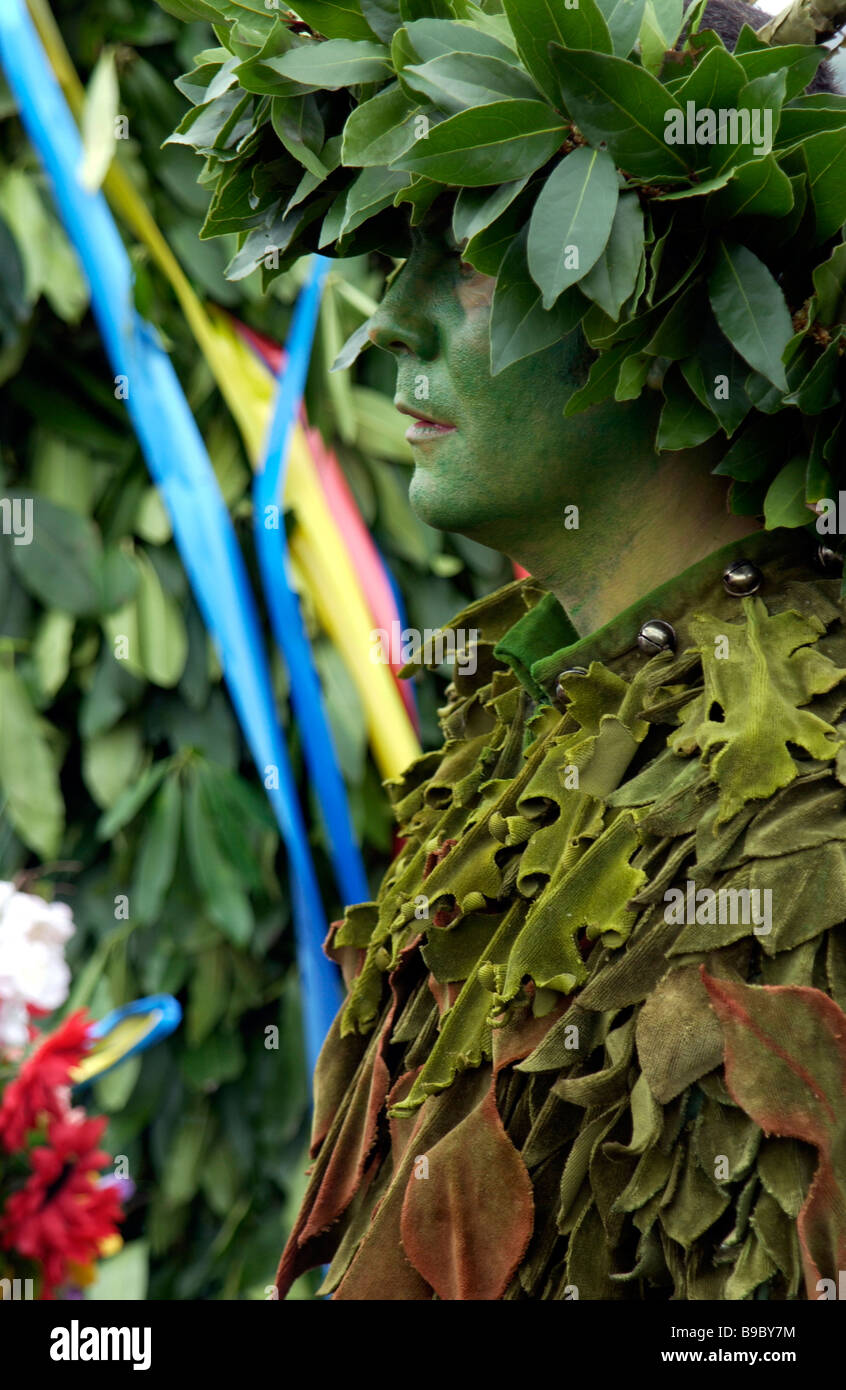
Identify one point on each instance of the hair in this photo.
(727, 18)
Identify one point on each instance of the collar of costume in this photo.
(544, 642)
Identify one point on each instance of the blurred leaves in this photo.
(119, 749)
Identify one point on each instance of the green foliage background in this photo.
(141, 779)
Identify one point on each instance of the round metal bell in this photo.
(829, 560)
(742, 578)
(560, 692)
(656, 636)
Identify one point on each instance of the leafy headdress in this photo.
(611, 162)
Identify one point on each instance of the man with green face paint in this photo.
(593, 1045)
(495, 460)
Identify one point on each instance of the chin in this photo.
(444, 506)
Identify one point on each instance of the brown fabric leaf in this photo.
(785, 1049)
(466, 1227)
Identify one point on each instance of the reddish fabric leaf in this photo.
(785, 1065)
(380, 1269)
(467, 1225)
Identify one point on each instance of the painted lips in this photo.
(422, 428)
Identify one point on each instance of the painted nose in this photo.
(401, 324)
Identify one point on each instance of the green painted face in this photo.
(496, 454)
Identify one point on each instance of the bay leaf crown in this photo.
(613, 165)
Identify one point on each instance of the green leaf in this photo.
(613, 101)
(380, 129)
(99, 122)
(455, 81)
(130, 801)
(624, 18)
(334, 19)
(684, 422)
(110, 761)
(334, 64)
(122, 1276)
(758, 188)
(157, 855)
(830, 287)
(799, 62)
(383, 16)
(717, 375)
(486, 249)
(571, 221)
(51, 647)
(750, 457)
(662, 20)
(29, 770)
(299, 125)
(784, 504)
(520, 325)
(225, 901)
(750, 309)
(823, 159)
(156, 641)
(490, 144)
(61, 563)
(429, 38)
(818, 389)
(601, 382)
(538, 23)
(613, 278)
(370, 192)
(476, 208)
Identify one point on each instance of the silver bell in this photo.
(742, 578)
(656, 636)
(829, 559)
(560, 692)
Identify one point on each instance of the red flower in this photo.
(62, 1214)
(38, 1089)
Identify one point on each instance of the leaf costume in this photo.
(525, 1095)
(593, 1045)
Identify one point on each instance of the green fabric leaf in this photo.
(769, 671)
(672, 1056)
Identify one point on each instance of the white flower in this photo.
(33, 970)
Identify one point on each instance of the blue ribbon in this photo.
(180, 467)
(283, 604)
